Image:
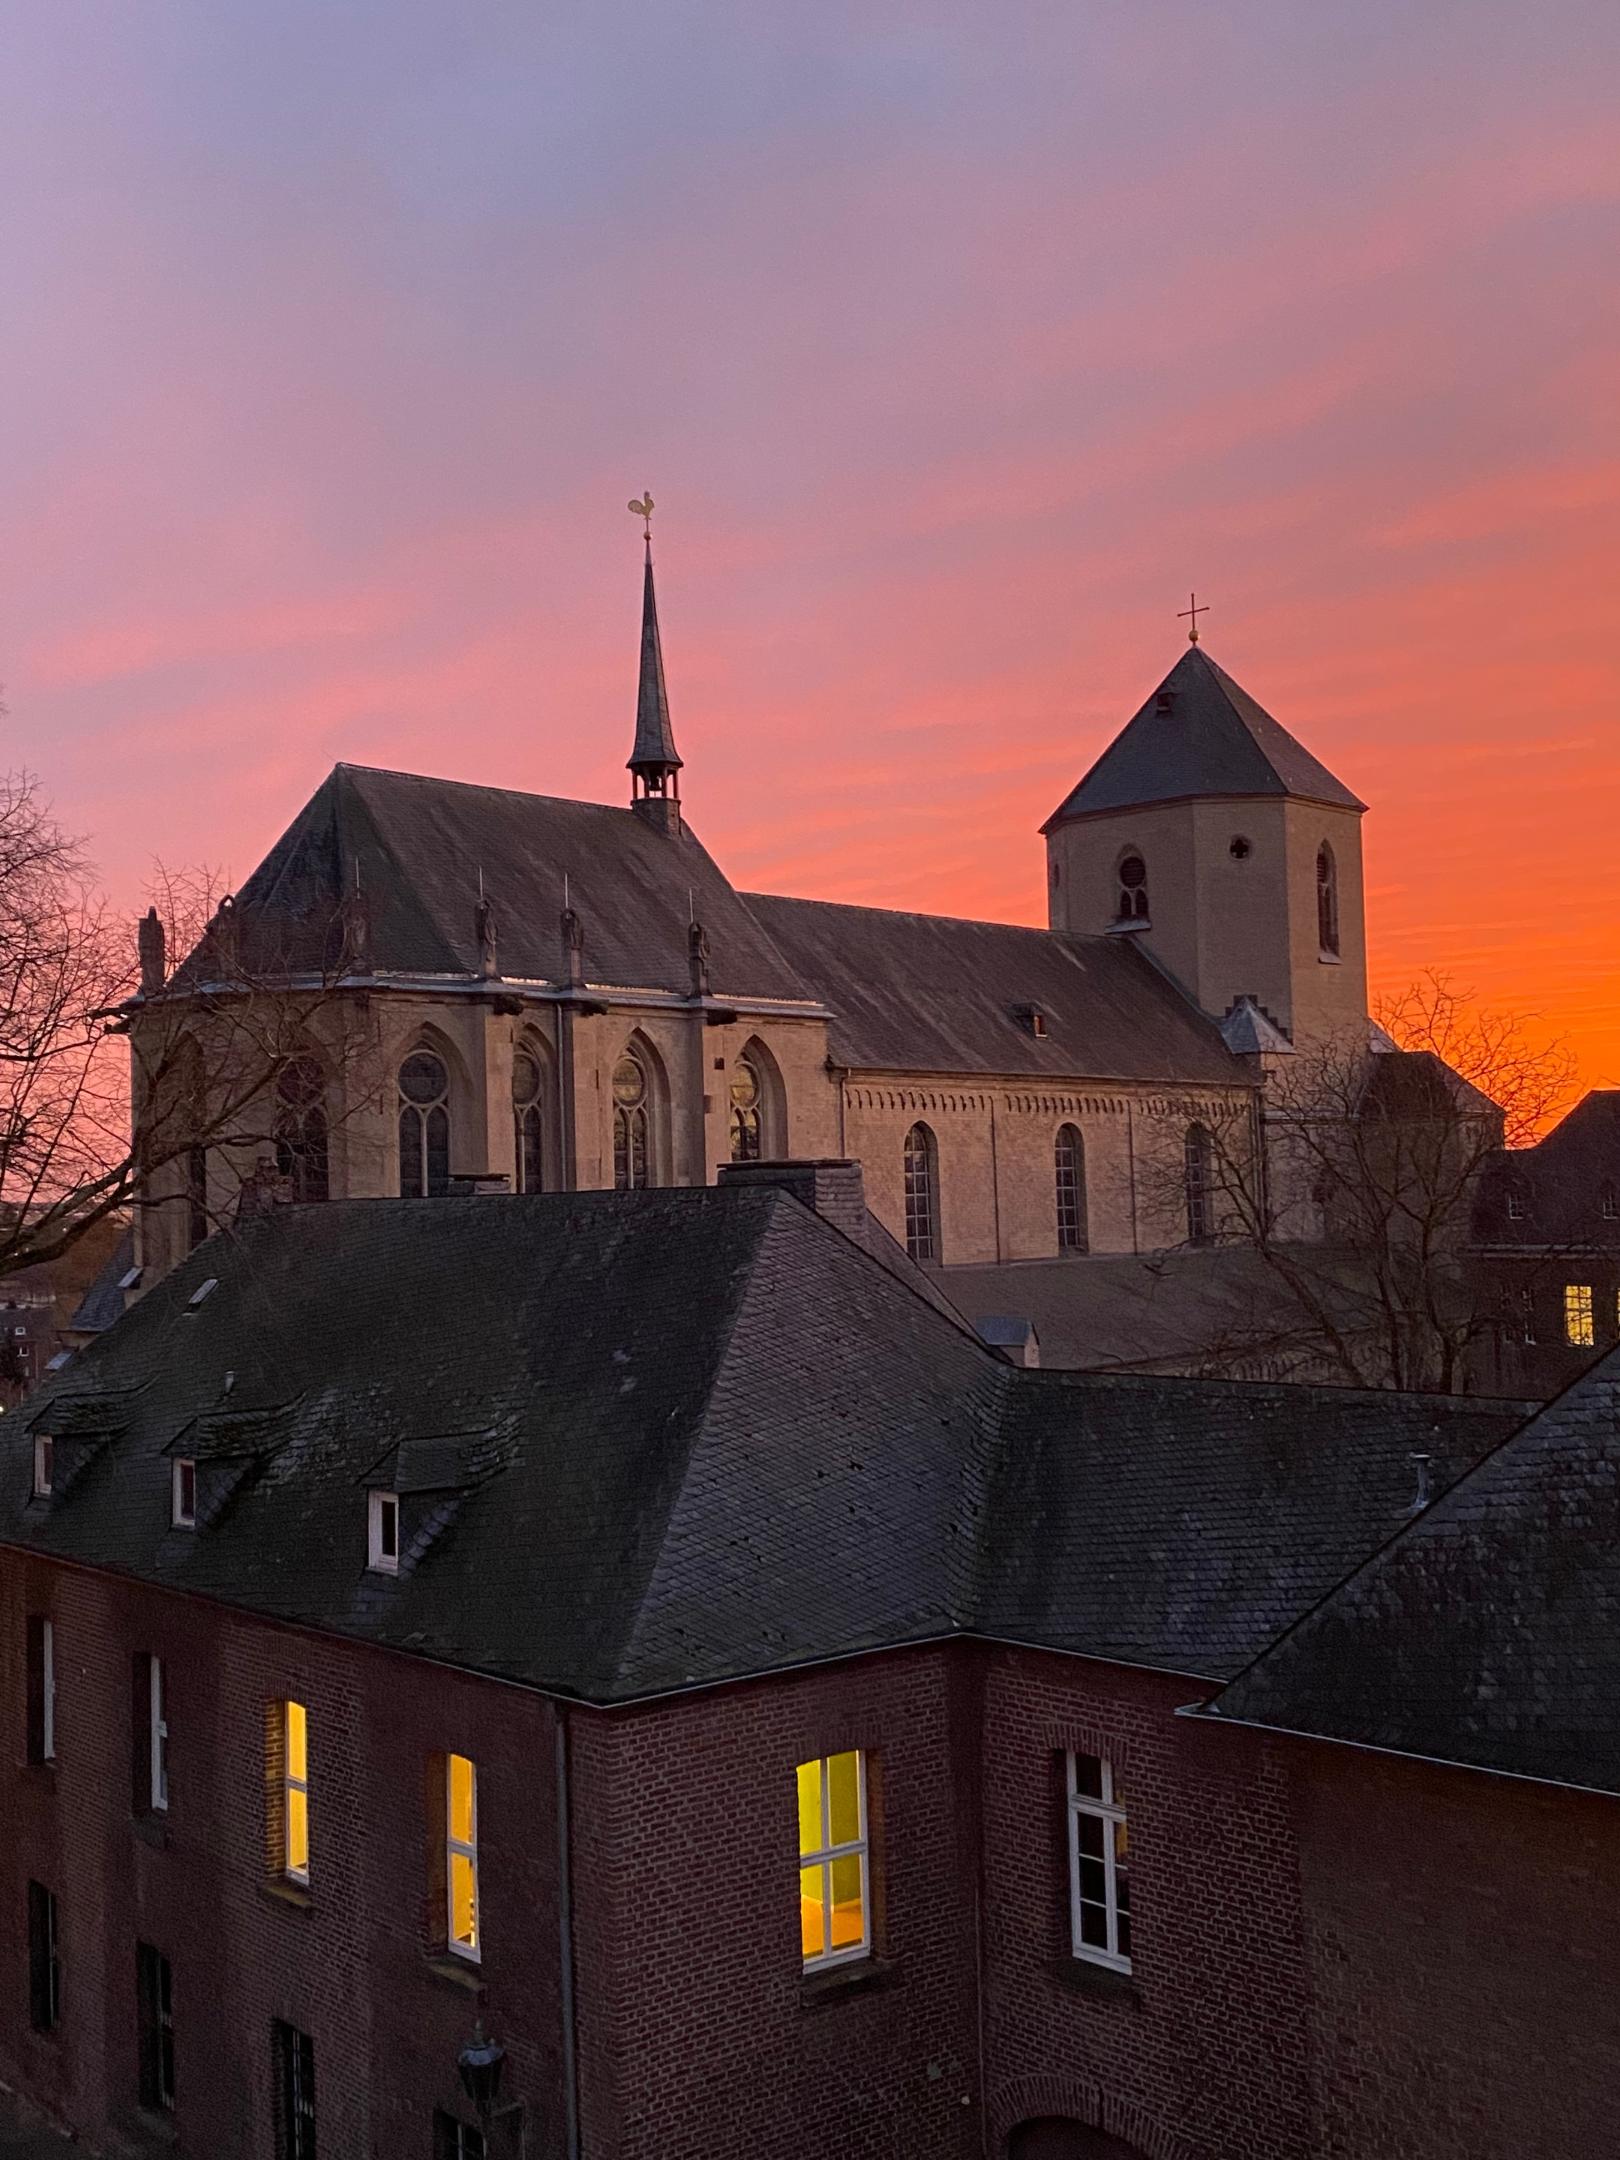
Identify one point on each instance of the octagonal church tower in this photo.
(1209, 833)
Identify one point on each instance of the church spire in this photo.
(654, 762)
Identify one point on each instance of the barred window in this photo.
(44, 1961)
(295, 2079)
(1099, 1864)
(154, 1998)
(1071, 1189)
(922, 1198)
(1200, 1212)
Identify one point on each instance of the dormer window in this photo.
(44, 1465)
(382, 1555)
(1033, 1018)
(183, 1493)
(1133, 894)
(1515, 1204)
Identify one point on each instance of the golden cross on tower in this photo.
(644, 511)
(1194, 611)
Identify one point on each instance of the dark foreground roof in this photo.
(1488, 1631)
(692, 1435)
(933, 993)
(1213, 740)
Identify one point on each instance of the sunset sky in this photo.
(956, 344)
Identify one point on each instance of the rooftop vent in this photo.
(1164, 701)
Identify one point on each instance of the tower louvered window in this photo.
(424, 1127)
(1070, 1158)
(922, 1198)
(1327, 901)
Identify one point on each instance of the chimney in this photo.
(150, 943)
(831, 1186)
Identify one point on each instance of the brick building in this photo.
(649, 1628)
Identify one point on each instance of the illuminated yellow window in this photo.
(834, 1900)
(461, 1854)
(295, 1789)
(1578, 1315)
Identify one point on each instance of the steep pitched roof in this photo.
(712, 1437)
(1488, 1631)
(654, 748)
(1566, 1188)
(931, 993)
(1213, 739)
(415, 846)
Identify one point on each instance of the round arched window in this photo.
(301, 1151)
(424, 1127)
(746, 1097)
(1133, 895)
(632, 1167)
(528, 1125)
(629, 1081)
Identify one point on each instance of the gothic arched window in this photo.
(528, 1123)
(301, 1131)
(631, 1152)
(1327, 901)
(1133, 891)
(747, 1110)
(1070, 1162)
(1200, 1208)
(424, 1127)
(922, 1196)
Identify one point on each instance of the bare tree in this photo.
(1359, 1203)
(119, 1074)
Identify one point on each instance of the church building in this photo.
(518, 992)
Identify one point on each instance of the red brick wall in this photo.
(1464, 1936)
(703, 2039)
(351, 1967)
(1201, 2055)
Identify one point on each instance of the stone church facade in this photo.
(517, 992)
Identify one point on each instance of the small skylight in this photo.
(202, 1290)
(183, 1493)
(129, 1278)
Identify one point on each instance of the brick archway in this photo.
(1060, 2137)
(1118, 2129)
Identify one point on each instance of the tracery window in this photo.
(922, 1198)
(1200, 1210)
(1133, 891)
(301, 1132)
(1070, 1163)
(631, 1152)
(528, 1128)
(424, 1127)
(747, 1110)
(1327, 901)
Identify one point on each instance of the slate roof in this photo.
(1186, 1523)
(934, 993)
(415, 846)
(793, 1458)
(1488, 1631)
(1214, 740)
(103, 1302)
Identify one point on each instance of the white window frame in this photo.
(47, 1691)
(290, 1785)
(379, 1561)
(44, 1465)
(182, 1517)
(859, 1849)
(1109, 1812)
(157, 1737)
(466, 1849)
